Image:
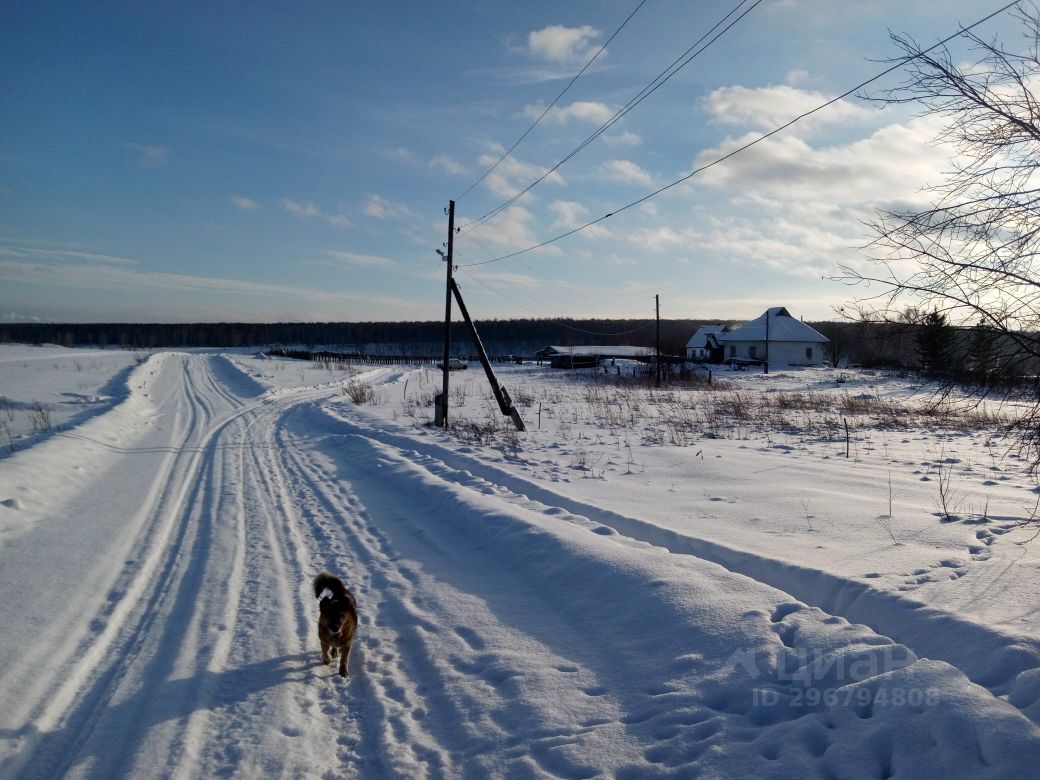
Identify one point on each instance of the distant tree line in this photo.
(500, 337)
(921, 341)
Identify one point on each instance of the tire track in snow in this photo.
(494, 710)
(386, 730)
(78, 664)
(165, 567)
(269, 625)
(440, 697)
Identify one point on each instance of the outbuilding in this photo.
(704, 346)
(590, 355)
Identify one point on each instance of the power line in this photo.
(585, 296)
(555, 101)
(755, 141)
(677, 64)
(562, 324)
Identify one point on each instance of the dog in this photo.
(338, 620)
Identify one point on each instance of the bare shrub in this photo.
(458, 394)
(412, 405)
(484, 431)
(522, 397)
(359, 392)
(40, 416)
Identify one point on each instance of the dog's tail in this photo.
(331, 582)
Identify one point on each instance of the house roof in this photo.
(700, 338)
(782, 327)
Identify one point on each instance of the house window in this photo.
(752, 351)
(808, 353)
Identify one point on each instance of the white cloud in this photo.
(892, 164)
(402, 155)
(382, 208)
(307, 210)
(111, 278)
(792, 247)
(797, 207)
(581, 111)
(359, 260)
(626, 171)
(512, 174)
(50, 254)
(660, 239)
(149, 156)
(245, 204)
(797, 77)
(304, 210)
(505, 279)
(511, 230)
(446, 164)
(764, 108)
(627, 138)
(570, 215)
(557, 43)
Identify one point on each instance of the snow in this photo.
(636, 586)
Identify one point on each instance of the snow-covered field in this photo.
(644, 583)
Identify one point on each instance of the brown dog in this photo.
(338, 620)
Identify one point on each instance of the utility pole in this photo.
(657, 302)
(766, 371)
(449, 259)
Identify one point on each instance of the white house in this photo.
(777, 338)
(704, 345)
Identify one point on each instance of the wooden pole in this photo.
(505, 403)
(447, 314)
(767, 343)
(657, 302)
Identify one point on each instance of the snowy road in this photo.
(157, 619)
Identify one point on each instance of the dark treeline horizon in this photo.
(857, 342)
(506, 336)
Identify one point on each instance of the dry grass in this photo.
(684, 414)
(361, 392)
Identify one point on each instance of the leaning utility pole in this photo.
(657, 301)
(505, 403)
(449, 259)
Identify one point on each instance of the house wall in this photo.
(781, 353)
(749, 350)
(793, 353)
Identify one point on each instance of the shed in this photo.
(590, 355)
(704, 344)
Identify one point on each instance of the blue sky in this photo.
(268, 161)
